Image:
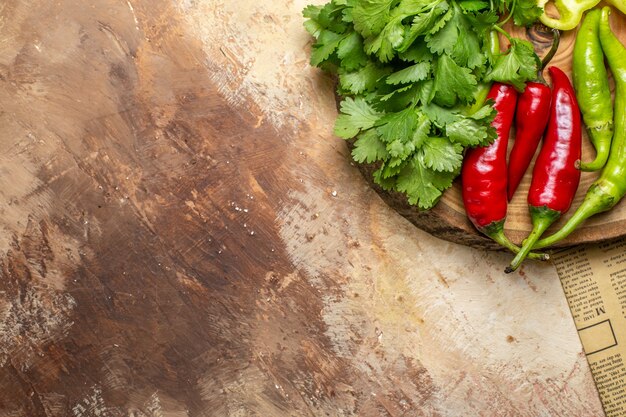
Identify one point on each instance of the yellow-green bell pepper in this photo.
(570, 12)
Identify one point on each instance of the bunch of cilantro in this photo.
(409, 71)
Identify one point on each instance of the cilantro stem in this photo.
(504, 32)
(556, 37)
(510, 13)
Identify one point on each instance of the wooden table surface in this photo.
(182, 235)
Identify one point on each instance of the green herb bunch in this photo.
(412, 75)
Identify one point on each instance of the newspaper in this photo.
(594, 281)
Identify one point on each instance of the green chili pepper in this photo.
(610, 187)
(619, 4)
(592, 89)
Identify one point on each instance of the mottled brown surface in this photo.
(182, 236)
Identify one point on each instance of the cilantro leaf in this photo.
(384, 44)
(350, 51)
(441, 21)
(486, 112)
(388, 184)
(364, 79)
(439, 154)
(392, 167)
(444, 39)
(326, 44)
(397, 126)
(399, 98)
(425, 91)
(482, 23)
(473, 5)
(424, 23)
(371, 16)
(518, 66)
(408, 95)
(414, 73)
(369, 148)
(394, 36)
(458, 39)
(418, 52)
(440, 116)
(356, 115)
(465, 130)
(470, 132)
(526, 12)
(501, 6)
(385, 182)
(329, 17)
(422, 185)
(467, 51)
(421, 130)
(411, 7)
(397, 91)
(405, 132)
(452, 82)
(312, 25)
(311, 11)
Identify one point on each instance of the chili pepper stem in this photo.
(495, 231)
(598, 199)
(556, 40)
(542, 218)
(579, 216)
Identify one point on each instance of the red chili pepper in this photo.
(531, 119)
(484, 169)
(555, 176)
(483, 174)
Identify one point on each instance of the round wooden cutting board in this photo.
(447, 219)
